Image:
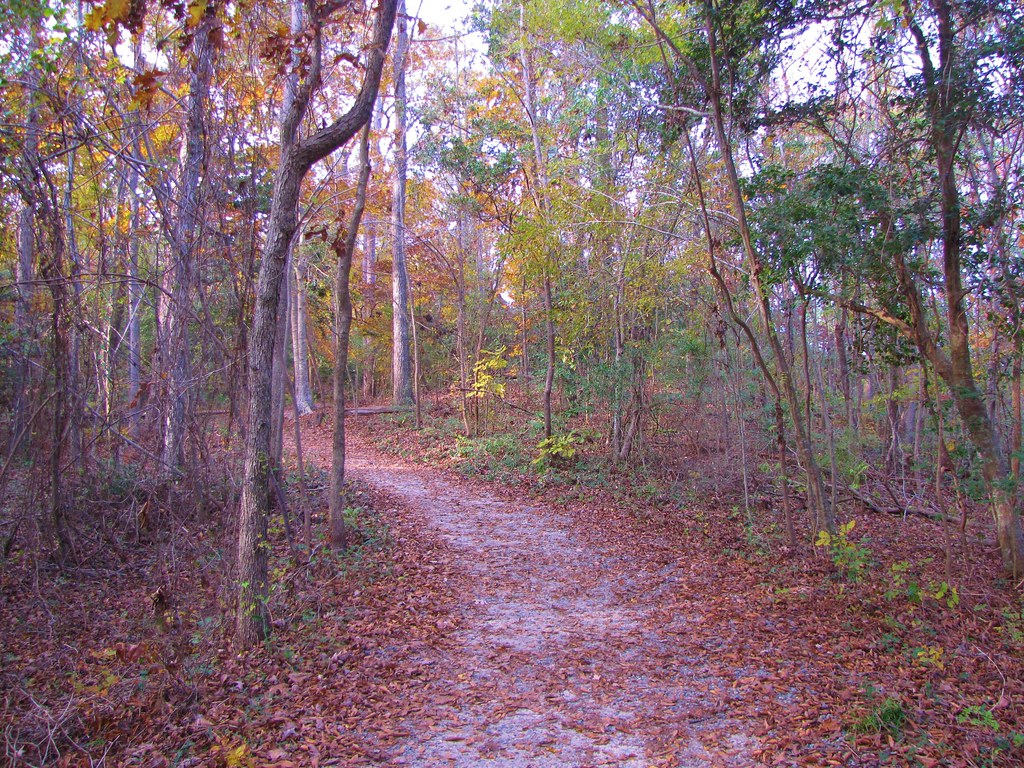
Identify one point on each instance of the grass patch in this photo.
(886, 717)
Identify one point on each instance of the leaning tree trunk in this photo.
(767, 375)
(824, 518)
(943, 94)
(298, 155)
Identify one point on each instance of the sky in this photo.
(445, 14)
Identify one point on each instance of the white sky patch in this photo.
(446, 15)
(807, 65)
(450, 18)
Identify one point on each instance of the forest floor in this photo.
(567, 648)
(539, 621)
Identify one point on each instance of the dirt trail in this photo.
(561, 655)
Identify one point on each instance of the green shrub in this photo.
(850, 556)
(558, 450)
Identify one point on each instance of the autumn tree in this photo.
(948, 89)
(298, 155)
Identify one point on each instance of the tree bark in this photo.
(401, 362)
(943, 93)
(298, 155)
(343, 329)
(300, 334)
(177, 359)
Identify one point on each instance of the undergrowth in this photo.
(112, 658)
(881, 604)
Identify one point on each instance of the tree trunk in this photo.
(26, 257)
(768, 378)
(177, 360)
(844, 366)
(370, 278)
(51, 270)
(73, 381)
(460, 322)
(279, 369)
(74, 426)
(1015, 425)
(549, 332)
(823, 514)
(343, 328)
(415, 356)
(401, 362)
(543, 205)
(893, 449)
(617, 377)
(135, 294)
(943, 96)
(525, 375)
(298, 155)
(300, 334)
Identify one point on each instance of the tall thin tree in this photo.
(298, 155)
(401, 362)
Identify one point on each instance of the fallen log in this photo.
(370, 410)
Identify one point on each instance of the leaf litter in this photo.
(477, 624)
(556, 661)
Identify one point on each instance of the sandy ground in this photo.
(562, 653)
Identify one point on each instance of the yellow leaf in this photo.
(163, 135)
(196, 11)
(118, 10)
(110, 12)
(236, 757)
(94, 19)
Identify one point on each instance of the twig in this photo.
(499, 398)
(283, 504)
(1002, 690)
(874, 506)
(21, 436)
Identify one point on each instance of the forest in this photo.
(533, 382)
